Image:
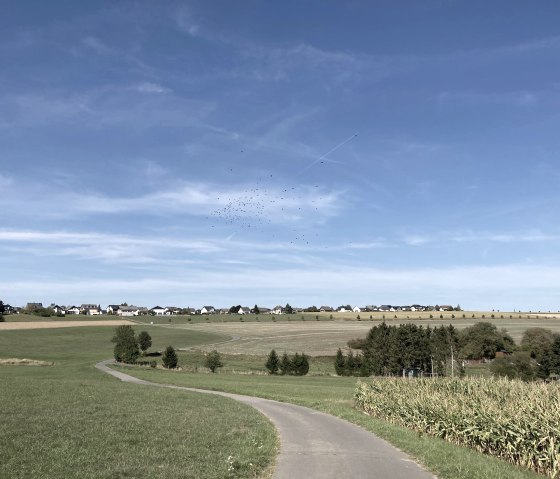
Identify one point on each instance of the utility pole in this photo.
(452, 360)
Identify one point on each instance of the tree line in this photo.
(388, 350)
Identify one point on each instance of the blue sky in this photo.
(191, 153)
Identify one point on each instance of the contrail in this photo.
(322, 157)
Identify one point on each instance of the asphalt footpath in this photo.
(315, 445)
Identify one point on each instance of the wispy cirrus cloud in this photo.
(148, 87)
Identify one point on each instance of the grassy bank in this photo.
(70, 420)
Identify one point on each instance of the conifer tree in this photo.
(273, 362)
(169, 358)
(339, 363)
(285, 364)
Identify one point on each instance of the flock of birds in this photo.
(263, 204)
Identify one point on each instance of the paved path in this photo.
(316, 445)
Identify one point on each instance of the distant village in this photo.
(130, 310)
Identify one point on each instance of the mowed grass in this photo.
(70, 420)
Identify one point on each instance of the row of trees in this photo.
(537, 357)
(296, 365)
(388, 350)
(1, 311)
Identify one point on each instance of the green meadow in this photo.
(70, 420)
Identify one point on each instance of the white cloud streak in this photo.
(505, 287)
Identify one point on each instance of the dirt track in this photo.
(59, 324)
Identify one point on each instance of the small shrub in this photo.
(213, 361)
(358, 317)
(170, 358)
(441, 316)
(431, 316)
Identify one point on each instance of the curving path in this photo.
(314, 444)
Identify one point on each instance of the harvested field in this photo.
(24, 362)
(60, 324)
(323, 338)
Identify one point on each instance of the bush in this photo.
(272, 363)
(126, 348)
(2, 318)
(169, 358)
(213, 361)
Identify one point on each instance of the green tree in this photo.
(483, 340)
(1, 312)
(304, 365)
(339, 362)
(273, 362)
(214, 361)
(536, 341)
(256, 310)
(550, 359)
(288, 309)
(519, 365)
(144, 341)
(126, 347)
(169, 358)
(285, 364)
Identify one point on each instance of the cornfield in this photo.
(515, 421)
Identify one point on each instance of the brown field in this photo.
(59, 324)
(319, 338)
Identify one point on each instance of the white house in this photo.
(277, 310)
(73, 310)
(207, 310)
(357, 309)
(159, 311)
(58, 309)
(112, 308)
(128, 311)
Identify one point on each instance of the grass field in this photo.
(81, 404)
(69, 420)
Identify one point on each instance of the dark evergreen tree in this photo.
(288, 309)
(273, 362)
(304, 365)
(285, 364)
(339, 362)
(169, 358)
